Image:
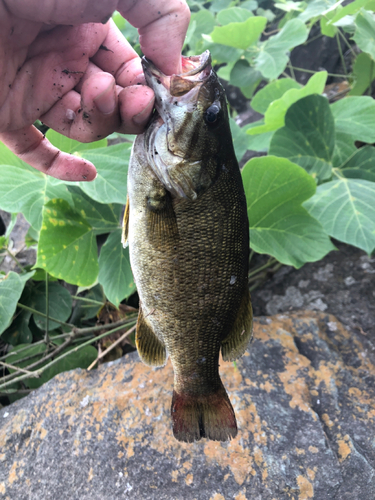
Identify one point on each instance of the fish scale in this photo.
(188, 233)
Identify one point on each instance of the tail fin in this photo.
(210, 416)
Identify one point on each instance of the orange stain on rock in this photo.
(2, 488)
(189, 479)
(305, 487)
(344, 448)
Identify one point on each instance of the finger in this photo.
(136, 105)
(71, 12)
(117, 56)
(102, 109)
(49, 74)
(88, 116)
(31, 146)
(162, 27)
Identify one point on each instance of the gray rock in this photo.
(304, 396)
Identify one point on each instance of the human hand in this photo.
(59, 63)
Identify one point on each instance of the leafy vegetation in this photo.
(314, 182)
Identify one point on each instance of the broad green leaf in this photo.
(67, 245)
(70, 145)
(59, 300)
(218, 5)
(80, 359)
(204, 23)
(249, 5)
(115, 274)
(315, 8)
(364, 74)
(308, 137)
(222, 53)
(364, 34)
(25, 189)
(112, 166)
(355, 117)
(346, 210)
(360, 165)
(274, 53)
(19, 331)
(326, 28)
(240, 139)
(289, 6)
(243, 75)
(279, 226)
(35, 350)
(274, 117)
(271, 92)
(239, 35)
(87, 310)
(233, 15)
(344, 147)
(102, 218)
(351, 8)
(11, 288)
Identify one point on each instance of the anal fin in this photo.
(125, 225)
(151, 349)
(236, 342)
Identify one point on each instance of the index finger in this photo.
(162, 27)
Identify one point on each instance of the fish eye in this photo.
(212, 113)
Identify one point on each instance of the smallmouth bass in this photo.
(188, 233)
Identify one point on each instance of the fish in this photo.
(187, 228)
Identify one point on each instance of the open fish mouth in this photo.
(195, 70)
(167, 137)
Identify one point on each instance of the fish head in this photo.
(189, 126)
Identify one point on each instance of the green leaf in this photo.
(114, 269)
(102, 218)
(86, 310)
(240, 139)
(70, 145)
(316, 8)
(19, 331)
(243, 75)
(274, 117)
(355, 117)
(111, 162)
(67, 245)
(351, 8)
(274, 54)
(25, 189)
(249, 5)
(218, 5)
(11, 288)
(233, 15)
(204, 23)
(344, 147)
(239, 35)
(326, 28)
(279, 226)
(32, 350)
(59, 300)
(364, 35)
(361, 165)
(308, 137)
(80, 359)
(271, 92)
(346, 210)
(364, 74)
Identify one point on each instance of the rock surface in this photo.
(304, 396)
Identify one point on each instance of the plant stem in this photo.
(313, 72)
(63, 346)
(112, 346)
(341, 54)
(13, 257)
(91, 301)
(346, 42)
(12, 367)
(34, 311)
(270, 263)
(291, 70)
(46, 337)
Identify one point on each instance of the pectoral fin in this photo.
(125, 225)
(151, 350)
(236, 342)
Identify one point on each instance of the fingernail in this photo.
(144, 115)
(106, 101)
